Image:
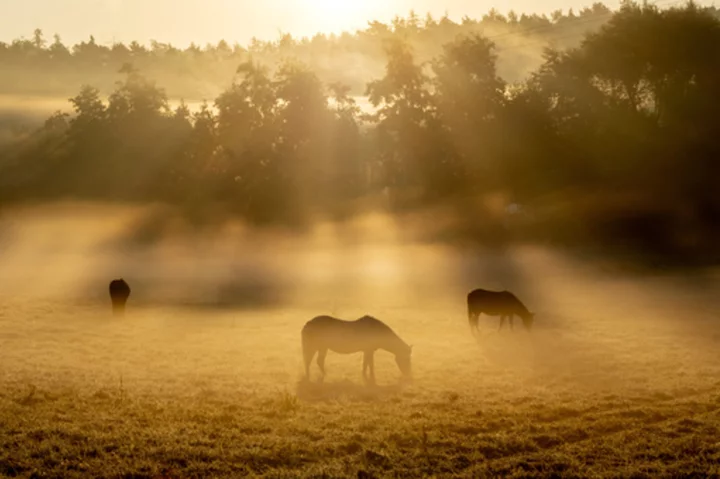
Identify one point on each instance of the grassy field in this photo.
(620, 378)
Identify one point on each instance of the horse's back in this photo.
(492, 300)
(482, 295)
(325, 322)
(340, 335)
(320, 320)
(319, 323)
(334, 328)
(371, 323)
(119, 287)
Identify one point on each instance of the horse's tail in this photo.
(470, 302)
(307, 349)
(472, 320)
(304, 337)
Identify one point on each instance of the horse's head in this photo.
(403, 361)
(528, 320)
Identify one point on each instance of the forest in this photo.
(600, 125)
(203, 72)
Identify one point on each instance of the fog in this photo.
(208, 353)
(70, 251)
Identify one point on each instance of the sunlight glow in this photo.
(336, 16)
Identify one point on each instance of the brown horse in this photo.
(365, 335)
(119, 294)
(496, 303)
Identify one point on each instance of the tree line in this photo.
(42, 66)
(614, 141)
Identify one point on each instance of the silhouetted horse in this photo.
(496, 303)
(119, 294)
(366, 335)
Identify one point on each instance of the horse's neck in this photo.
(521, 309)
(394, 344)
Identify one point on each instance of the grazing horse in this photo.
(496, 303)
(366, 334)
(119, 294)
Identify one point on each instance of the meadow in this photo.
(619, 377)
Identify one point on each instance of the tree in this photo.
(470, 97)
(403, 109)
(304, 149)
(349, 165)
(58, 51)
(90, 112)
(38, 39)
(246, 111)
(137, 98)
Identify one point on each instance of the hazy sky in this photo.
(202, 21)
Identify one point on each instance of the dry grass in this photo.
(619, 379)
(220, 394)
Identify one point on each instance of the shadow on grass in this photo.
(323, 391)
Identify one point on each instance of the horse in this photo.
(119, 294)
(366, 335)
(496, 303)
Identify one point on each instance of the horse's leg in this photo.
(308, 356)
(371, 362)
(502, 322)
(366, 364)
(321, 361)
(474, 329)
(512, 326)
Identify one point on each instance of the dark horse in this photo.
(496, 303)
(366, 334)
(119, 294)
